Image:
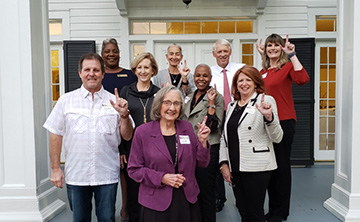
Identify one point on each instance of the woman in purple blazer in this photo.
(163, 158)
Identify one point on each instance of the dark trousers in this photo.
(220, 187)
(80, 198)
(133, 206)
(206, 179)
(279, 189)
(250, 191)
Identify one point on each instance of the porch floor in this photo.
(310, 188)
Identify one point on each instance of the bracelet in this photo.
(212, 106)
(291, 54)
(184, 83)
(125, 115)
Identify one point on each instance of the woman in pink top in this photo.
(279, 73)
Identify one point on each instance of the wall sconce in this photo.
(187, 2)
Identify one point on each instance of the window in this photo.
(55, 77)
(327, 98)
(138, 49)
(326, 23)
(55, 26)
(245, 25)
(247, 53)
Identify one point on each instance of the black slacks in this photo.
(206, 179)
(133, 206)
(279, 189)
(250, 190)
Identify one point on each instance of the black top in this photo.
(118, 80)
(171, 145)
(233, 137)
(212, 121)
(133, 96)
(175, 79)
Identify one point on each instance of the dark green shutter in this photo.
(303, 145)
(73, 50)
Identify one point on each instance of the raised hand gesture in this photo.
(260, 47)
(265, 108)
(120, 105)
(184, 71)
(211, 94)
(203, 132)
(289, 47)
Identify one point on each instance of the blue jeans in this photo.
(80, 198)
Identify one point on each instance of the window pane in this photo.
(323, 55)
(332, 105)
(138, 49)
(244, 27)
(247, 49)
(158, 28)
(192, 27)
(209, 27)
(323, 90)
(175, 28)
(54, 57)
(55, 26)
(323, 126)
(323, 72)
(322, 142)
(140, 28)
(55, 75)
(332, 73)
(331, 126)
(248, 60)
(332, 55)
(325, 25)
(226, 27)
(331, 142)
(332, 90)
(55, 92)
(323, 106)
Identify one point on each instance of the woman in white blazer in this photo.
(247, 156)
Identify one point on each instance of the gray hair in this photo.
(203, 65)
(174, 44)
(91, 56)
(107, 41)
(155, 113)
(221, 42)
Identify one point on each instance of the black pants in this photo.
(250, 191)
(279, 189)
(206, 178)
(133, 206)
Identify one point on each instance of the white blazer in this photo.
(255, 137)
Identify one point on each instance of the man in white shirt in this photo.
(222, 52)
(222, 75)
(89, 122)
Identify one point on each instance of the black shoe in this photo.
(276, 219)
(219, 205)
(268, 216)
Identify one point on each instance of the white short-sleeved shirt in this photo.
(217, 75)
(91, 135)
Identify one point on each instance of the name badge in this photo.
(250, 109)
(106, 106)
(122, 75)
(184, 139)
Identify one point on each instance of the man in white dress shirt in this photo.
(88, 123)
(222, 75)
(222, 52)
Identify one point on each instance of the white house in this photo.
(32, 77)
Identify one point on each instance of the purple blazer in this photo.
(150, 159)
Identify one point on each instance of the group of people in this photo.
(173, 136)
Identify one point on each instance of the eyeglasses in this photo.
(169, 103)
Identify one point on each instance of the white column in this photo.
(25, 191)
(345, 191)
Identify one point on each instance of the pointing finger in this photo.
(185, 63)
(262, 98)
(287, 38)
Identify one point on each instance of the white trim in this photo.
(320, 154)
(65, 18)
